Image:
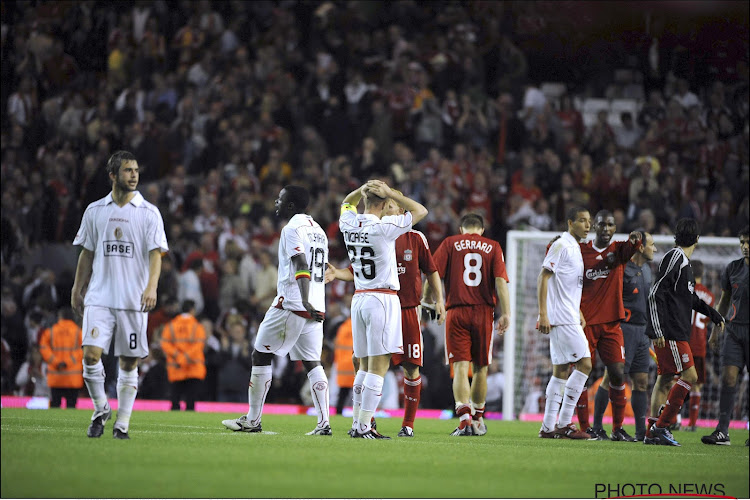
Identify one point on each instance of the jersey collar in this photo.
(137, 200)
(569, 237)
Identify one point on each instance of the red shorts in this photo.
(700, 367)
(608, 340)
(411, 334)
(468, 334)
(674, 357)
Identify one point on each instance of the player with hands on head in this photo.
(122, 238)
(473, 268)
(293, 323)
(376, 310)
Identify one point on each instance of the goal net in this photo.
(527, 364)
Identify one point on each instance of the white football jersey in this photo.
(371, 244)
(121, 238)
(302, 235)
(564, 289)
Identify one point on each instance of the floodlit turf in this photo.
(182, 455)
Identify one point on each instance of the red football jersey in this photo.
(700, 322)
(469, 263)
(412, 256)
(601, 301)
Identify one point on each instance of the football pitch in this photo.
(190, 455)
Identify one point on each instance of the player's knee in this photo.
(310, 365)
(729, 379)
(584, 366)
(640, 382)
(261, 358)
(690, 376)
(128, 364)
(616, 375)
(91, 358)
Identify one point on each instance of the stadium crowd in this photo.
(223, 103)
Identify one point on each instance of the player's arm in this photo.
(583, 319)
(333, 273)
(663, 284)
(700, 306)
(626, 251)
(501, 288)
(148, 299)
(722, 308)
(354, 197)
(436, 289)
(417, 210)
(83, 275)
(302, 275)
(542, 283)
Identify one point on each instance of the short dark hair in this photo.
(472, 220)
(117, 159)
(188, 305)
(697, 266)
(745, 231)
(686, 232)
(297, 195)
(66, 313)
(574, 211)
(602, 213)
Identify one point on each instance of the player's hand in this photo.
(713, 341)
(720, 326)
(148, 299)
(76, 302)
(440, 312)
(330, 273)
(503, 323)
(316, 315)
(543, 326)
(659, 342)
(635, 237)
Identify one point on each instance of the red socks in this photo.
(695, 407)
(582, 408)
(674, 404)
(618, 399)
(412, 390)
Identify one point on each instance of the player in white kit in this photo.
(559, 289)
(123, 239)
(376, 309)
(294, 322)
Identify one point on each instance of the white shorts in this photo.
(283, 332)
(568, 344)
(376, 324)
(100, 324)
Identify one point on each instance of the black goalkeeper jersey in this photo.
(672, 299)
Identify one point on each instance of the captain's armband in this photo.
(348, 207)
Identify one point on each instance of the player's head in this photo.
(65, 313)
(373, 202)
(391, 207)
(292, 200)
(697, 266)
(604, 226)
(648, 248)
(745, 241)
(579, 222)
(471, 224)
(122, 168)
(188, 306)
(686, 232)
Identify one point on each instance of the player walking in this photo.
(734, 354)
(671, 301)
(294, 323)
(376, 319)
(601, 305)
(698, 339)
(559, 289)
(123, 238)
(473, 268)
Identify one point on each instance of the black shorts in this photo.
(637, 359)
(735, 351)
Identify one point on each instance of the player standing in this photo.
(376, 321)
(559, 289)
(294, 323)
(698, 343)
(734, 354)
(473, 268)
(671, 301)
(412, 255)
(123, 238)
(601, 305)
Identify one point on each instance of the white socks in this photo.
(260, 383)
(573, 390)
(357, 389)
(370, 399)
(127, 388)
(552, 406)
(93, 375)
(319, 391)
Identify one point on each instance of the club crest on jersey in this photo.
(685, 357)
(118, 233)
(407, 255)
(691, 287)
(94, 332)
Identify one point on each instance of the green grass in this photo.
(180, 455)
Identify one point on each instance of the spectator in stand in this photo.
(190, 285)
(628, 133)
(652, 111)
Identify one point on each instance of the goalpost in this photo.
(527, 365)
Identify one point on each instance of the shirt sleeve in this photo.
(440, 258)
(498, 266)
(157, 235)
(293, 242)
(394, 226)
(669, 268)
(554, 257)
(426, 262)
(85, 235)
(726, 285)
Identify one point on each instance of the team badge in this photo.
(118, 233)
(94, 332)
(685, 357)
(407, 255)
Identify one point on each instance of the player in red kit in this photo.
(473, 268)
(698, 342)
(604, 262)
(412, 256)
